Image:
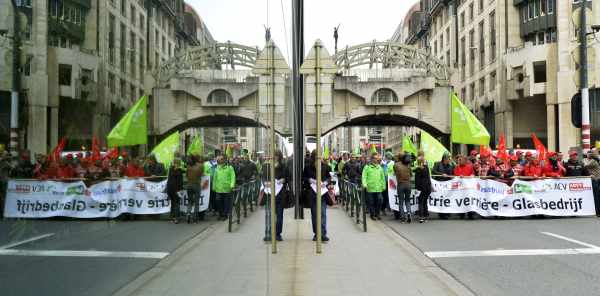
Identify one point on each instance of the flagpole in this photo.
(450, 115)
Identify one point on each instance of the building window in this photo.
(111, 83)
(220, 96)
(472, 92)
(471, 12)
(482, 86)
(550, 6)
(448, 36)
(123, 89)
(123, 48)
(384, 95)
(541, 38)
(539, 72)
(462, 20)
(132, 49)
(123, 8)
(64, 74)
(463, 93)
(463, 59)
(133, 93)
(481, 45)
(530, 10)
(471, 52)
(480, 6)
(543, 4)
(492, 37)
(448, 58)
(111, 39)
(133, 14)
(435, 48)
(493, 81)
(142, 60)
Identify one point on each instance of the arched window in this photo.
(220, 97)
(384, 95)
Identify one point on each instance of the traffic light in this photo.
(576, 110)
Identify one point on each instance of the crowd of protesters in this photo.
(371, 173)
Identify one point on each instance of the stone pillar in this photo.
(551, 127)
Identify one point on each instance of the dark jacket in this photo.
(310, 172)
(575, 168)
(422, 178)
(175, 181)
(353, 171)
(440, 169)
(23, 170)
(246, 171)
(158, 169)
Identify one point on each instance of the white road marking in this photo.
(12, 245)
(524, 252)
(571, 240)
(591, 249)
(71, 253)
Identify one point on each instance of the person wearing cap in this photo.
(553, 168)
(373, 180)
(574, 167)
(533, 168)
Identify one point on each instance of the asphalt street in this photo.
(84, 257)
(513, 257)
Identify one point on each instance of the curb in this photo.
(134, 286)
(453, 284)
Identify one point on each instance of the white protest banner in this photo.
(394, 199)
(109, 199)
(550, 197)
(204, 199)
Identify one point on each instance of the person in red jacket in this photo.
(553, 168)
(65, 171)
(464, 168)
(533, 169)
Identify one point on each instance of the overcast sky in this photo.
(241, 21)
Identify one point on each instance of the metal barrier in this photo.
(244, 197)
(353, 200)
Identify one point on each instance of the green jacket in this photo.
(224, 179)
(390, 168)
(373, 178)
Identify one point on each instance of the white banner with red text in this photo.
(486, 197)
(108, 199)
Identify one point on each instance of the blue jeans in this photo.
(278, 213)
(403, 192)
(374, 202)
(313, 217)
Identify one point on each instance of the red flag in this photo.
(541, 149)
(484, 151)
(112, 153)
(95, 149)
(502, 149)
(55, 155)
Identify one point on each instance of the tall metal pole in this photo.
(585, 95)
(318, 136)
(271, 93)
(298, 103)
(16, 82)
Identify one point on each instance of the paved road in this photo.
(96, 275)
(536, 274)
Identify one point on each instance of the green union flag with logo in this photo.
(408, 146)
(165, 151)
(466, 128)
(196, 148)
(132, 129)
(432, 148)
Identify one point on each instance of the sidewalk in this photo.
(216, 262)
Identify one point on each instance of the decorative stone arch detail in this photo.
(219, 97)
(384, 96)
(391, 55)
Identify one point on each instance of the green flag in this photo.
(408, 146)
(326, 152)
(356, 152)
(197, 147)
(132, 129)
(433, 149)
(373, 149)
(165, 151)
(229, 152)
(466, 128)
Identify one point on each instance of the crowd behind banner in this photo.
(415, 172)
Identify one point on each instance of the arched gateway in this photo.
(377, 83)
